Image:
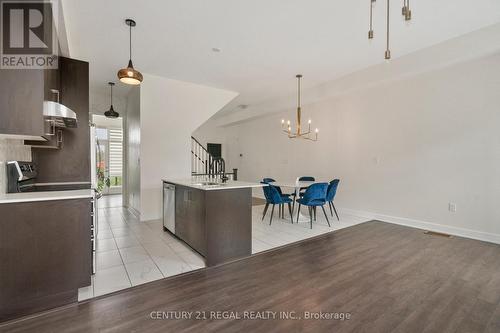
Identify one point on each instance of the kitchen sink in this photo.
(206, 184)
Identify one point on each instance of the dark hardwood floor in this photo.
(389, 278)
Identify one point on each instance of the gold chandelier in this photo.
(405, 11)
(298, 134)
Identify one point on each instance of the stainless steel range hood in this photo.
(61, 115)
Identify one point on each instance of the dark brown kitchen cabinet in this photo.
(70, 163)
(215, 223)
(45, 254)
(21, 102)
(51, 82)
(22, 92)
(190, 217)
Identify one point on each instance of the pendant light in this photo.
(406, 11)
(298, 134)
(111, 113)
(130, 75)
(387, 55)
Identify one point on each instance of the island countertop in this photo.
(201, 184)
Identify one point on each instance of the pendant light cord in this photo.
(387, 25)
(130, 42)
(111, 86)
(371, 15)
(298, 98)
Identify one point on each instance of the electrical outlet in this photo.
(452, 207)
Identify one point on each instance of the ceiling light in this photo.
(406, 11)
(111, 113)
(370, 32)
(216, 49)
(130, 75)
(298, 134)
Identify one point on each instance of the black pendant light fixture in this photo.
(130, 75)
(111, 113)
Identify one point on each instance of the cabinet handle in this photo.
(52, 127)
(59, 137)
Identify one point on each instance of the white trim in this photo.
(456, 231)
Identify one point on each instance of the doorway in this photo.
(214, 149)
(108, 155)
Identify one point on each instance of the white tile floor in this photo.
(131, 253)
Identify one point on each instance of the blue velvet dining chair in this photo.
(330, 195)
(306, 179)
(314, 196)
(281, 207)
(273, 197)
(302, 189)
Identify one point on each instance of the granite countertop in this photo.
(45, 196)
(198, 184)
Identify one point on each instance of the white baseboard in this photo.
(467, 233)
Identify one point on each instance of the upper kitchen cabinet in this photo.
(71, 162)
(52, 81)
(21, 102)
(22, 92)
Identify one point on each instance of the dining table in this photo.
(296, 185)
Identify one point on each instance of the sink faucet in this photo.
(224, 177)
(218, 166)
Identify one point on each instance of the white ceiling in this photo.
(264, 43)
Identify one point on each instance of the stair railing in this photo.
(202, 163)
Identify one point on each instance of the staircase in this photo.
(204, 164)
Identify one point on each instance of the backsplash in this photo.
(11, 150)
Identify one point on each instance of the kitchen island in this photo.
(214, 219)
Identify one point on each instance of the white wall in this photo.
(131, 156)
(403, 150)
(170, 111)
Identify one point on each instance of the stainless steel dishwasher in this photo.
(169, 207)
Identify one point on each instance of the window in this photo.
(115, 155)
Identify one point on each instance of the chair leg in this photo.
(311, 216)
(335, 210)
(324, 212)
(330, 205)
(290, 211)
(272, 213)
(314, 213)
(265, 210)
(298, 213)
